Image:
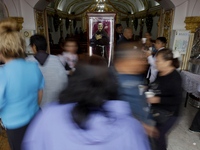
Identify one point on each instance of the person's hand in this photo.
(100, 37)
(151, 131)
(96, 36)
(148, 53)
(153, 100)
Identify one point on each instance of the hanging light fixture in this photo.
(100, 6)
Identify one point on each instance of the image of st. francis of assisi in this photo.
(100, 40)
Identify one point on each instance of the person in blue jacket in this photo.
(21, 84)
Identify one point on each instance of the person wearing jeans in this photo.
(21, 84)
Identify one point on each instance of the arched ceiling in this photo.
(127, 6)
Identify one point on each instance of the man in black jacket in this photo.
(127, 36)
(118, 33)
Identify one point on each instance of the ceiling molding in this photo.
(81, 7)
(125, 6)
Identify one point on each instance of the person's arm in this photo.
(41, 87)
(63, 78)
(40, 94)
(2, 89)
(151, 61)
(151, 130)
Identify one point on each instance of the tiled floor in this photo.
(180, 138)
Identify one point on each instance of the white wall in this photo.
(179, 16)
(28, 15)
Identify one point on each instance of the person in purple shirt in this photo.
(88, 116)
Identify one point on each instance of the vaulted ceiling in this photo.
(127, 6)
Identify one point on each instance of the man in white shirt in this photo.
(159, 45)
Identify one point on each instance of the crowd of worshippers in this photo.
(76, 102)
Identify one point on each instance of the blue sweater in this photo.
(19, 85)
(128, 91)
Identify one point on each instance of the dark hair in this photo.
(89, 87)
(118, 25)
(39, 41)
(149, 33)
(162, 39)
(70, 40)
(75, 41)
(167, 54)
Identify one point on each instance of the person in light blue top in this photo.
(21, 84)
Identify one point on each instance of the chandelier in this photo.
(100, 5)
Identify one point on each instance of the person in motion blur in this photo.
(21, 84)
(130, 65)
(61, 42)
(148, 43)
(195, 127)
(69, 57)
(159, 45)
(51, 68)
(88, 116)
(168, 94)
(119, 32)
(126, 37)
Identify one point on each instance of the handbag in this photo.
(160, 115)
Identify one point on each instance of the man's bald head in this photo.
(128, 33)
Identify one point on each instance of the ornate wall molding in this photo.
(154, 11)
(143, 15)
(192, 23)
(40, 22)
(167, 25)
(20, 21)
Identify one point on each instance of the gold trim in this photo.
(7, 9)
(167, 25)
(40, 22)
(20, 21)
(192, 23)
(182, 63)
(117, 8)
(190, 50)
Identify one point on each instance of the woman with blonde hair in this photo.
(21, 84)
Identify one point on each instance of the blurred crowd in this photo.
(73, 101)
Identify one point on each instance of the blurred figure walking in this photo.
(130, 65)
(51, 68)
(88, 116)
(69, 57)
(195, 127)
(21, 84)
(167, 87)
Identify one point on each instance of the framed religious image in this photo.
(101, 34)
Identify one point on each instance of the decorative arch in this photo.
(4, 13)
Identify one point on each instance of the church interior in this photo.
(58, 20)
